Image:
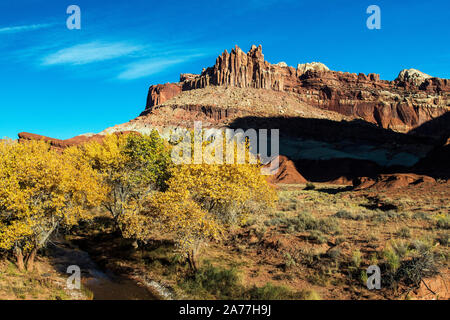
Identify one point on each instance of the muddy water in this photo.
(117, 289)
(102, 283)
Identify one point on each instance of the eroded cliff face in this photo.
(342, 115)
(401, 105)
(160, 93)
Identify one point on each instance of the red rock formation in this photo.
(286, 173)
(197, 112)
(403, 104)
(25, 136)
(62, 144)
(433, 288)
(160, 93)
(391, 181)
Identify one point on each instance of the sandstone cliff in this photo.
(401, 105)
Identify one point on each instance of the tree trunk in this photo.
(192, 260)
(30, 259)
(19, 259)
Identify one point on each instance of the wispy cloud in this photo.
(90, 52)
(149, 67)
(30, 27)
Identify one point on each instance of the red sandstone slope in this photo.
(392, 181)
(62, 144)
(401, 105)
(287, 173)
(57, 143)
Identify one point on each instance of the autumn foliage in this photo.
(202, 201)
(40, 191)
(131, 168)
(133, 178)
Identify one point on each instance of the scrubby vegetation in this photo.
(225, 284)
(209, 231)
(134, 179)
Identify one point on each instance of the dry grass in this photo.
(45, 283)
(316, 244)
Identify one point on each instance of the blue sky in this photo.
(61, 83)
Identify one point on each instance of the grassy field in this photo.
(45, 283)
(317, 244)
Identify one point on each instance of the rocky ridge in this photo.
(412, 99)
(335, 126)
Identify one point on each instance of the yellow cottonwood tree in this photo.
(132, 166)
(173, 212)
(201, 202)
(41, 190)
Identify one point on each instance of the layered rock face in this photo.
(332, 124)
(401, 105)
(159, 93)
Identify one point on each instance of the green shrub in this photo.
(363, 277)
(391, 215)
(269, 292)
(309, 186)
(356, 258)
(304, 221)
(421, 216)
(344, 214)
(219, 282)
(421, 245)
(309, 295)
(334, 253)
(443, 221)
(404, 232)
(408, 263)
(443, 238)
(392, 259)
(289, 262)
(401, 248)
(411, 271)
(318, 236)
(328, 225)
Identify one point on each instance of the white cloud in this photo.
(148, 67)
(30, 27)
(90, 52)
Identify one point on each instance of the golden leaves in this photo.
(201, 202)
(41, 189)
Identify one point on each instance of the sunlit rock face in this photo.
(412, 99)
